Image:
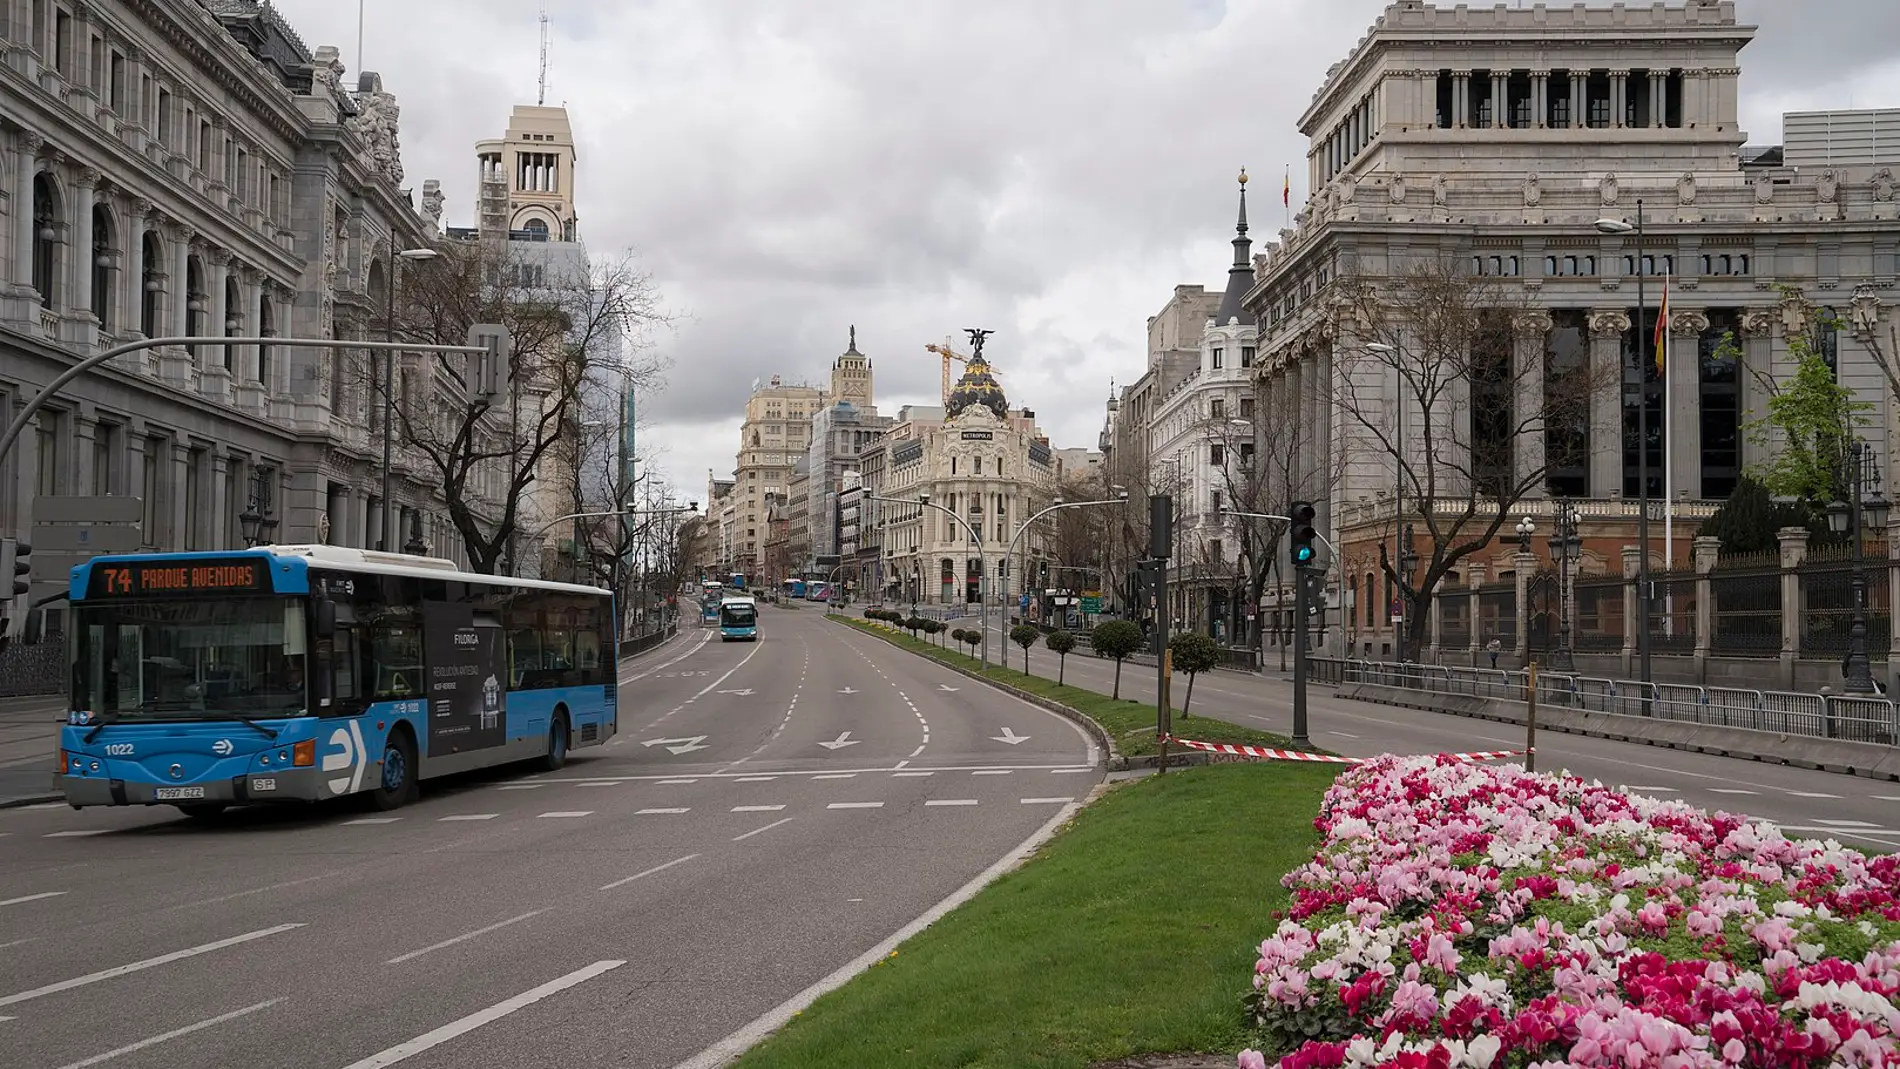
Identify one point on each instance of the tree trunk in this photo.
(1189, 700)
(1117, 696)
(1062, 668)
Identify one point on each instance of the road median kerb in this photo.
(1115, 759)
(1871, 760)
(30, 799)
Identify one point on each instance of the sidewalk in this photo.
(29, 732)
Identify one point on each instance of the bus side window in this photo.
(346, 696)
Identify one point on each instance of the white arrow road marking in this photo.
(946, 686)
(742, 693)
(222, 747)
(848, 690)
(1009, 736)
(679, 745)
(844, 739)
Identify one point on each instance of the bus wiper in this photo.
(103, 722)
(249, 723)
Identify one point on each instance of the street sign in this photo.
(1091, 603)
(86, 539)
(93, 510)
(57, 568)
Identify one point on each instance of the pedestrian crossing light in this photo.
(16, 565)
(1303, 534)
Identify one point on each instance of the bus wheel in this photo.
(397, 787)
(203, 810)
(556, 757)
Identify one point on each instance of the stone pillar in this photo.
(1532, 329)
(1500, 100)
(220, 510)
(1607, 327)
(179, 317)
(217, 311)
(179, 518)
(86, 334)
(1474, 579)
(1619, 98)
(1540, 99)
(1633, 615)
(1658, 99)
(1794, 550)
(1460, 99)
(26, 146)
(1682, 431)
(1757, 343)
(1893, 601)
(132, 285)
(85, 432)
(1708, 552)
(1526, 566)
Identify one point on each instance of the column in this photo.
(1540, 99)
(1619, 97)
(1579, 99)
(1532, 332)
(1658, 99)
(179, 521)
(1500, 100)
(219, 511)
(222, 358)
(1607, 327)
(27, 145)
(1524, 566)
(1632, 614)
(179, 315)
(1794, 549)
(1707, 553)
(85, 432)
(132, 280)
(80, 259)
(1682, 371)
(1460, 97)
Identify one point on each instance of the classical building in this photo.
(1494, 138)
(841, 428)
(775, 436)
(990, 467)
(184, 167)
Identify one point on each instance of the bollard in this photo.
(1530, 717)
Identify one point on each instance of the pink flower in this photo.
(1252, 1059)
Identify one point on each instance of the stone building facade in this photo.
(773, 438)
(1495, 138)
(141, 202)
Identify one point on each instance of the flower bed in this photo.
(1464, 915)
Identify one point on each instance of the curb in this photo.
(30, 799)
(1116, 762)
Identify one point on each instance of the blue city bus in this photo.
(304, 673)
(738, 581)
(738, 619)
(795, 589)
(709, 610)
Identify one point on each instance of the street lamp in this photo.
(1566, 546)
(389, 380)
(1525, 529)
(1645, 594)
(976, 539)
(1120, 498)
(916, 586)
(1398, 474)
(1862, 475)
(250, 523)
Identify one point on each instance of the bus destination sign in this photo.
(146, 579)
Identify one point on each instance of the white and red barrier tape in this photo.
(1295, 755)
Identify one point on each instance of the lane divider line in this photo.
(404, 1051)
(768, 827)
(465, 937)
(643, 875)
(149, 963)
(166, 1036)
(30, 898)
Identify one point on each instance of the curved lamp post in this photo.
(1120, 498)
(983, 572)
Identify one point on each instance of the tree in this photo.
(1117, 640)
(1749, 520)
(1079, 537)
(488, 454)
(968, 638)
(1429, 387)
(1024, 635)
(1060, 643)
(1193, 653)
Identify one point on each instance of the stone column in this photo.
(1794, 549)
(179, 513)
(1658, 99)
(1682, 371)
(1474, 579)
(1500, 100)
(27, 146)
(132, 282)
(1708, 551)
(217, 311)
(179, 318)
(219, 511)
(1633, 614)
(1607, 327)
(1525, 565)
(1619, 98)
(1460, 98)
(1532, 329)
(1757, 343)
(86, 333)
(1893, 601)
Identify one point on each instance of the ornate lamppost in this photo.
(1566, 546)
(1862, 477)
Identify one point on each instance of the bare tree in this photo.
(565, 319)
(1430, 382)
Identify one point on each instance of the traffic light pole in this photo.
(1160, 548)
(1300, 739)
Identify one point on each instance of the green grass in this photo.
(1131, 723)
(1132, 932)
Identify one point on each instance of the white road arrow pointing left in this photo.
(222, 747)
(1010, 737)
(679, 745)
(844, 739)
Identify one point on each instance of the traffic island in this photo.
(1124, 728)
(1130, 934)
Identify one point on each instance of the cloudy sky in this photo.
(1048, 169)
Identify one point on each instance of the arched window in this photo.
(104, 261)
(538, 228)
(379, 285)
(48, 223)
(266, 328)
(151, 282)
(233, 319)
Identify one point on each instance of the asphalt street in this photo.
(768, 813)
(1858, 812)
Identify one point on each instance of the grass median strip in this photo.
(1132, 723)
(1132, 932)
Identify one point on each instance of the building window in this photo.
(1217, 456)
(1217, 408)
(1218, 354)
(149, 487)
(48, 221)
(49, 459)
(266, 328)
(1493, 406)
(1720, 402)
(1558, 92)
(104, 258)
(1567, 425)
(104, 439)
(1214, 504)
(1596, 88)
(1246, 356)
(1246, 408)
(1642, 385)
(1827, 339)
(1443, 110)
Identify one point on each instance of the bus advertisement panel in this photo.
(303, 673)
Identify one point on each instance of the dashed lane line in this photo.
(834, 805)
(950, 801)
(429, 1040)
(148, 963)
(669, 809)
(708, 689)
(465, 937)
(643, 875)
(467, 816)
(30, 898)
(760, 831)
(164, 1037)
(561, 814)
(756, 808)
(1047, 801)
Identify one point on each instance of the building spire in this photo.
(1240, 275)
(854, 340)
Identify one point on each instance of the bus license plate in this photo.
(168, 794)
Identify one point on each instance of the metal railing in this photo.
(1848, 717)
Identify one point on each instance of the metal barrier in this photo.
(1849, 717)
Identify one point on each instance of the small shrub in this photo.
(1060, 643)
(1024, 635)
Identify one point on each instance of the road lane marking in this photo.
(1639, 787)
(560, 814)
(703, 639)
(464, 937)
(1342, 734)
(837, 775)
(45, 805)
(1817, 820)
(643, 875)
(608, 783)
(768, 827)
(951, 801)
(1887, 797)
(1811, 794)
(166, 1036)
(371, 820)
(30, 898)
(710, 687)
(755, 779)
(149, 963)
(521, 786)
(991, 772)
(727, 777)
(76, 834)
(1068, 771)
(1728, 790)
(900, 775)
(757, 808)
(670, 782)
(404, 1051)
(1047, 801)
(676, 809)
(468, 816)
(834, 805)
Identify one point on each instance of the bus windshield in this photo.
(737, 615)
(189, 659)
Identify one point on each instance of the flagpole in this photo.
(1286, 195)
(1669, 443)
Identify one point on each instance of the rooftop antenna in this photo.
(541, 95)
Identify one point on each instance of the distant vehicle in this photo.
(738, 581)
(709, 609)
(795, 588)
(738, 619)
(303, 673)
(817, 591)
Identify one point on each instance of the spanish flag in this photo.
(1286, 189)
(1661, 342)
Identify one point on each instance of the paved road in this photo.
(29, 728)
(1857, 811)
(628, 911)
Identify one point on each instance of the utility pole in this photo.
(1160, 548)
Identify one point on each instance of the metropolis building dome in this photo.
(979, 387)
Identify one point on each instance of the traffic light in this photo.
(1044, 580)
(1303, 534)
(16, 565)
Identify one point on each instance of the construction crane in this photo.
(948, 355)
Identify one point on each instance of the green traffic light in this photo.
(1303, 554)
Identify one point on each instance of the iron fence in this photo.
(1746, 614)
(1497, 614)
(1672, 614)
(1599, 613)
(1454, 621)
